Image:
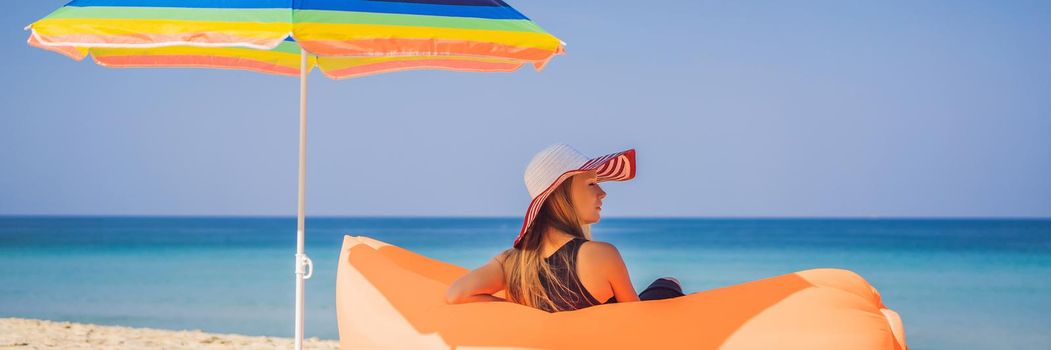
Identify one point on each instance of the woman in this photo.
(554, 265)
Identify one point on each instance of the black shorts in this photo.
(661, 289)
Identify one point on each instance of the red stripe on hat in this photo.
(622, 167)
(590, 163)
(625, 171)
(629, 159)
(612, 168)
(597, 162)
(602, 170)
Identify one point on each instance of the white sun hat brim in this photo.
(559, 162)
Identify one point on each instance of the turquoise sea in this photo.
(958, 284)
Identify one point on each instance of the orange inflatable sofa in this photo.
(391, 298)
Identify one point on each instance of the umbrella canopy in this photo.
(344, 38)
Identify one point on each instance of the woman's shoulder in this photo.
(598, 252)
(598, 246)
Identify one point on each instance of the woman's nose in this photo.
(601, 193)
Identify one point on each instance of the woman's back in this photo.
(570, 292)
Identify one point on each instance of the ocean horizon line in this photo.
(498, 217)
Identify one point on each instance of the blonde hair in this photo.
(524, 266)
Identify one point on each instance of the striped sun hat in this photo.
(559, 162)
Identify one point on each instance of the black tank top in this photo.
(576, 297)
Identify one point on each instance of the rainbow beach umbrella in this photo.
(343, 38)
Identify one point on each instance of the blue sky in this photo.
(741, 109)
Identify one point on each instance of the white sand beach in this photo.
(21, 333)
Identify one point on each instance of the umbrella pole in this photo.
(304, 267)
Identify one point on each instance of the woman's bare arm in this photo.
(478, 284)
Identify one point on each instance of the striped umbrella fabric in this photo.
(344, 38)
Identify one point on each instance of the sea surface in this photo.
(957, 284)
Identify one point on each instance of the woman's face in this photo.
(587, 196)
